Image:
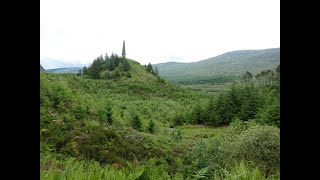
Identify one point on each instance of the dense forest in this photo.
(118, 119)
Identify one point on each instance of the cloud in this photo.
(155, 31)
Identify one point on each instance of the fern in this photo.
(201, 173)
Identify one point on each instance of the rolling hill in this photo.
(142, 127)
(225, 67)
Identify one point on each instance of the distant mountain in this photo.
(65, 70)
(41, 68)
(51, 63)
(229, 65)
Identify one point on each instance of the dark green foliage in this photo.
(95, 68)
(210, 113)
(222, 114)
(84, 70)
(266, 78)
(151, 126)
(109, 117)
(136, 123)
(150, 68)
(247, 78)
(197, 115)
(251, 104)
(128, 75)
(178, 120)
(244, 102)
(109, 67)
(79, 73)
(160, 80)
(270, 112)
(233, 102)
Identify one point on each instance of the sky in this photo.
(75, 32)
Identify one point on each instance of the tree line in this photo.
(107, 67)
(245, 101)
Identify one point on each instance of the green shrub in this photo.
(253, 143)
(261, 145)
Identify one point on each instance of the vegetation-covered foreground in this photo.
(128, 123)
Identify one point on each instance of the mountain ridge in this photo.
(230, 64)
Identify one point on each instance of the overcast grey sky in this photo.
(74, 32)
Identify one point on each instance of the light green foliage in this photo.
(270, 112)
(86, 125)
(260, 145)
(253, 143)
(201, 173)
(241, 171)
(70, 168)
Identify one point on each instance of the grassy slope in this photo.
(231, 64)
(142, 94)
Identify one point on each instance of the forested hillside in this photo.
(223, 68)
(117, 119)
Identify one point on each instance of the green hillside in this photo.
(112, 122)
(222, 68)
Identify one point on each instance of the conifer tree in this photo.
(149, 68)
(94, 70)
(109, 118)
(249, 105)
(210, 111)
(197, 115)
(84, 70)
(151, 126)
(136, 123)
